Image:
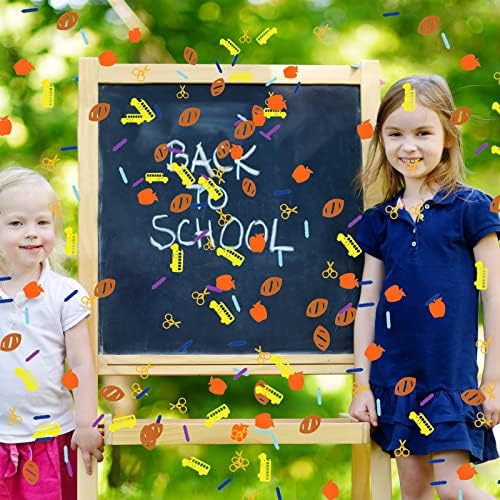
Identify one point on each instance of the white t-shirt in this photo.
(42, 322)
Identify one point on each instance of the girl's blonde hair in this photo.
(18, 176)
(433, 92)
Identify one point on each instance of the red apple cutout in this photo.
(134, 35)
(258, 312)
(257, 243)
(365, 130)
(217, 386)
(70, 380)
(296, 381)
(437, 308)
(5, 125)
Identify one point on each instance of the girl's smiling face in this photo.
(27, 234)
(416, 135)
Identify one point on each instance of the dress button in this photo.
(426, 206)
(413, 243)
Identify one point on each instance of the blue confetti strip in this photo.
(40, 417)
(219, 69)
(297, 87)
(235, 58)
(306, 229)
(158, 419)
(445, 41)
(237, 370)
(76, 193)
(123, 174)
(75, 79)
(271, 81)
(33, 9)
(184, 347)
(437, 483)
(84, 36)
(68, 148)
(379, 411)
(157, 109)
(279, 192)
(388, 319)
(182, 74)
(235, 302)
(72, 294)
(5, 301)
(278, 493)
(393, 13)
(280, 258)
(5, 278)
(318, 396)
(237, 343)
(66, 459)
(224, 484)
(366, 304)
(354, 370)
(26, 315)
(436, 461)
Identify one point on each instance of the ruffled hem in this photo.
(447, 436)
(444, 406)
(452, 421)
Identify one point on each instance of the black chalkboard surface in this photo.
(319, 131)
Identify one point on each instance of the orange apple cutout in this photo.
(236, 151)
(225, 282)
(258, 312)
(437, 308)
(107, 58)
(469, 62)
(257, 243)
(330, 490)
(374, 351)
(264, 421)
(23, 67)
(348, 281)
(134, 35)
(147, 196)
(5, 125)
(290, 71)
(466, 471)
(217, 386)
(70, 380)
(296, 381)
(394, 293)
(301, 174)
(365, 129)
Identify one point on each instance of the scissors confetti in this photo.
(75, 192)
(120, 144)
(123, 174)
(84, 36)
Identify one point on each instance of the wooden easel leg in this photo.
(380, 473)
(87, 485)
(360, 472)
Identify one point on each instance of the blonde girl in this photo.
(421, 242)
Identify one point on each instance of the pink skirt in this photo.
(54, 479)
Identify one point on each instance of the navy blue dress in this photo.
(429, 259)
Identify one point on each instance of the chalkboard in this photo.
(319, 131)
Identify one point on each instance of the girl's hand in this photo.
(491, 406)
(362, 408)
(90, 442)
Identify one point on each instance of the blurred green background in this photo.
(357, 30)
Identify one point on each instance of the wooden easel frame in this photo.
(366, 457)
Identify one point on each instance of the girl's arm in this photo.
(488, 251)
(364, 324)
(80, 360)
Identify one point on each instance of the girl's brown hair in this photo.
(433, 92)
(18, 176)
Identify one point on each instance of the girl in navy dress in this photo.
(418, 343)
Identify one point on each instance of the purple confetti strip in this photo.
(427, 399)
(239, 374)
(481, 148)
(138, 181)
(97, 420)
(349, 304)
(200, 235)
(186, 433)
(355, 221)
(118, 145)
(159, 282)
(213, 289)
(32, 355)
